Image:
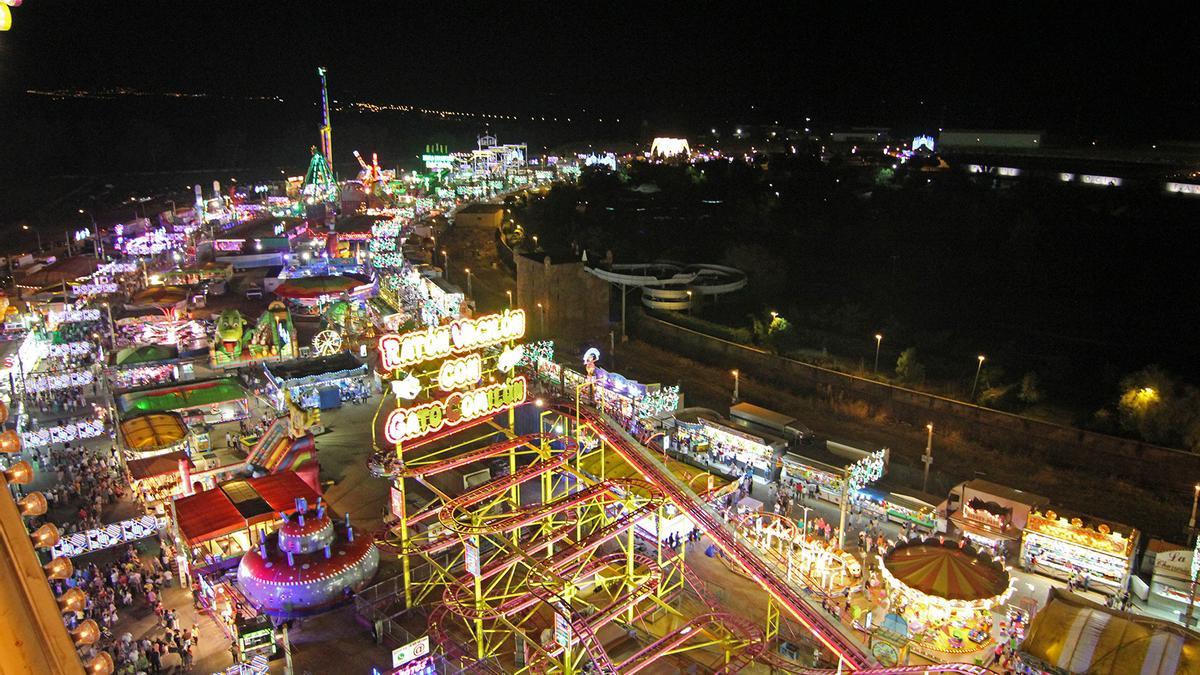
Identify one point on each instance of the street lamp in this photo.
(736, 381)
(878, 341)
(446, 263)
(542, 314)
(975, 384)
(927, 458)
(470, 296)
(535, 244)
(1195, 497)
(804, 527)
(689, 302)
(509, 294)
(39, 236)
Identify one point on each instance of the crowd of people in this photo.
(126, 583)
(86, 483)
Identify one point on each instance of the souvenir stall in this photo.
(1062, 547)
(945, 593)
(728, 444)
(827, 477)
(322, 382)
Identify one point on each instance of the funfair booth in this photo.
(1060, 546)
(322, 382)
(232, 518)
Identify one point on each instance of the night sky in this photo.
(1080, 71)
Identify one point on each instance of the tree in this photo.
(907, 367)
(1159, 408)
(1031, 391)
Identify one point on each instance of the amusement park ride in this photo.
(554, 565)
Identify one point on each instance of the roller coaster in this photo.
(551, 567)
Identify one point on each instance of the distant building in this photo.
(968, 139)
(480, 215)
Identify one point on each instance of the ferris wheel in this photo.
(327, 343)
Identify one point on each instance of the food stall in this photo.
(993, 515)
(727, 441)
(827, 466)
(1058, 546)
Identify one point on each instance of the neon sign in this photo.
(463, 335)
(408, 423)
(458, 373)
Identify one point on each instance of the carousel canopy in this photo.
(1073, 635)
(159, 296)
(181, 398)
(145, 354)
(315, 287)
(946, 571)
(153, 432)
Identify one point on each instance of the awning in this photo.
(159, 465)
(1073, 635)
(239, 504)
(302, 372)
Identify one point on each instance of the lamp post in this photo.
(975, 384)
(689, 302)
(446, 263)
(509, 294)
(542, 314)
(878, 341)
(535, 244)
(39, 236)
(470, 296)
(804, 527)
(95, 234)
(736, 381)
(927, 458)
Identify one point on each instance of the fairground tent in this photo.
(1073, 635)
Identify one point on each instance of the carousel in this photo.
(944, 593)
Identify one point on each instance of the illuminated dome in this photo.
(945, 573)
(307, 566)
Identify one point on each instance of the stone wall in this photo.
(575, 304)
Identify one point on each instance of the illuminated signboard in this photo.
(410, 652)
(460, 373)
(463, 335)
(436, 162)
(408, 423)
